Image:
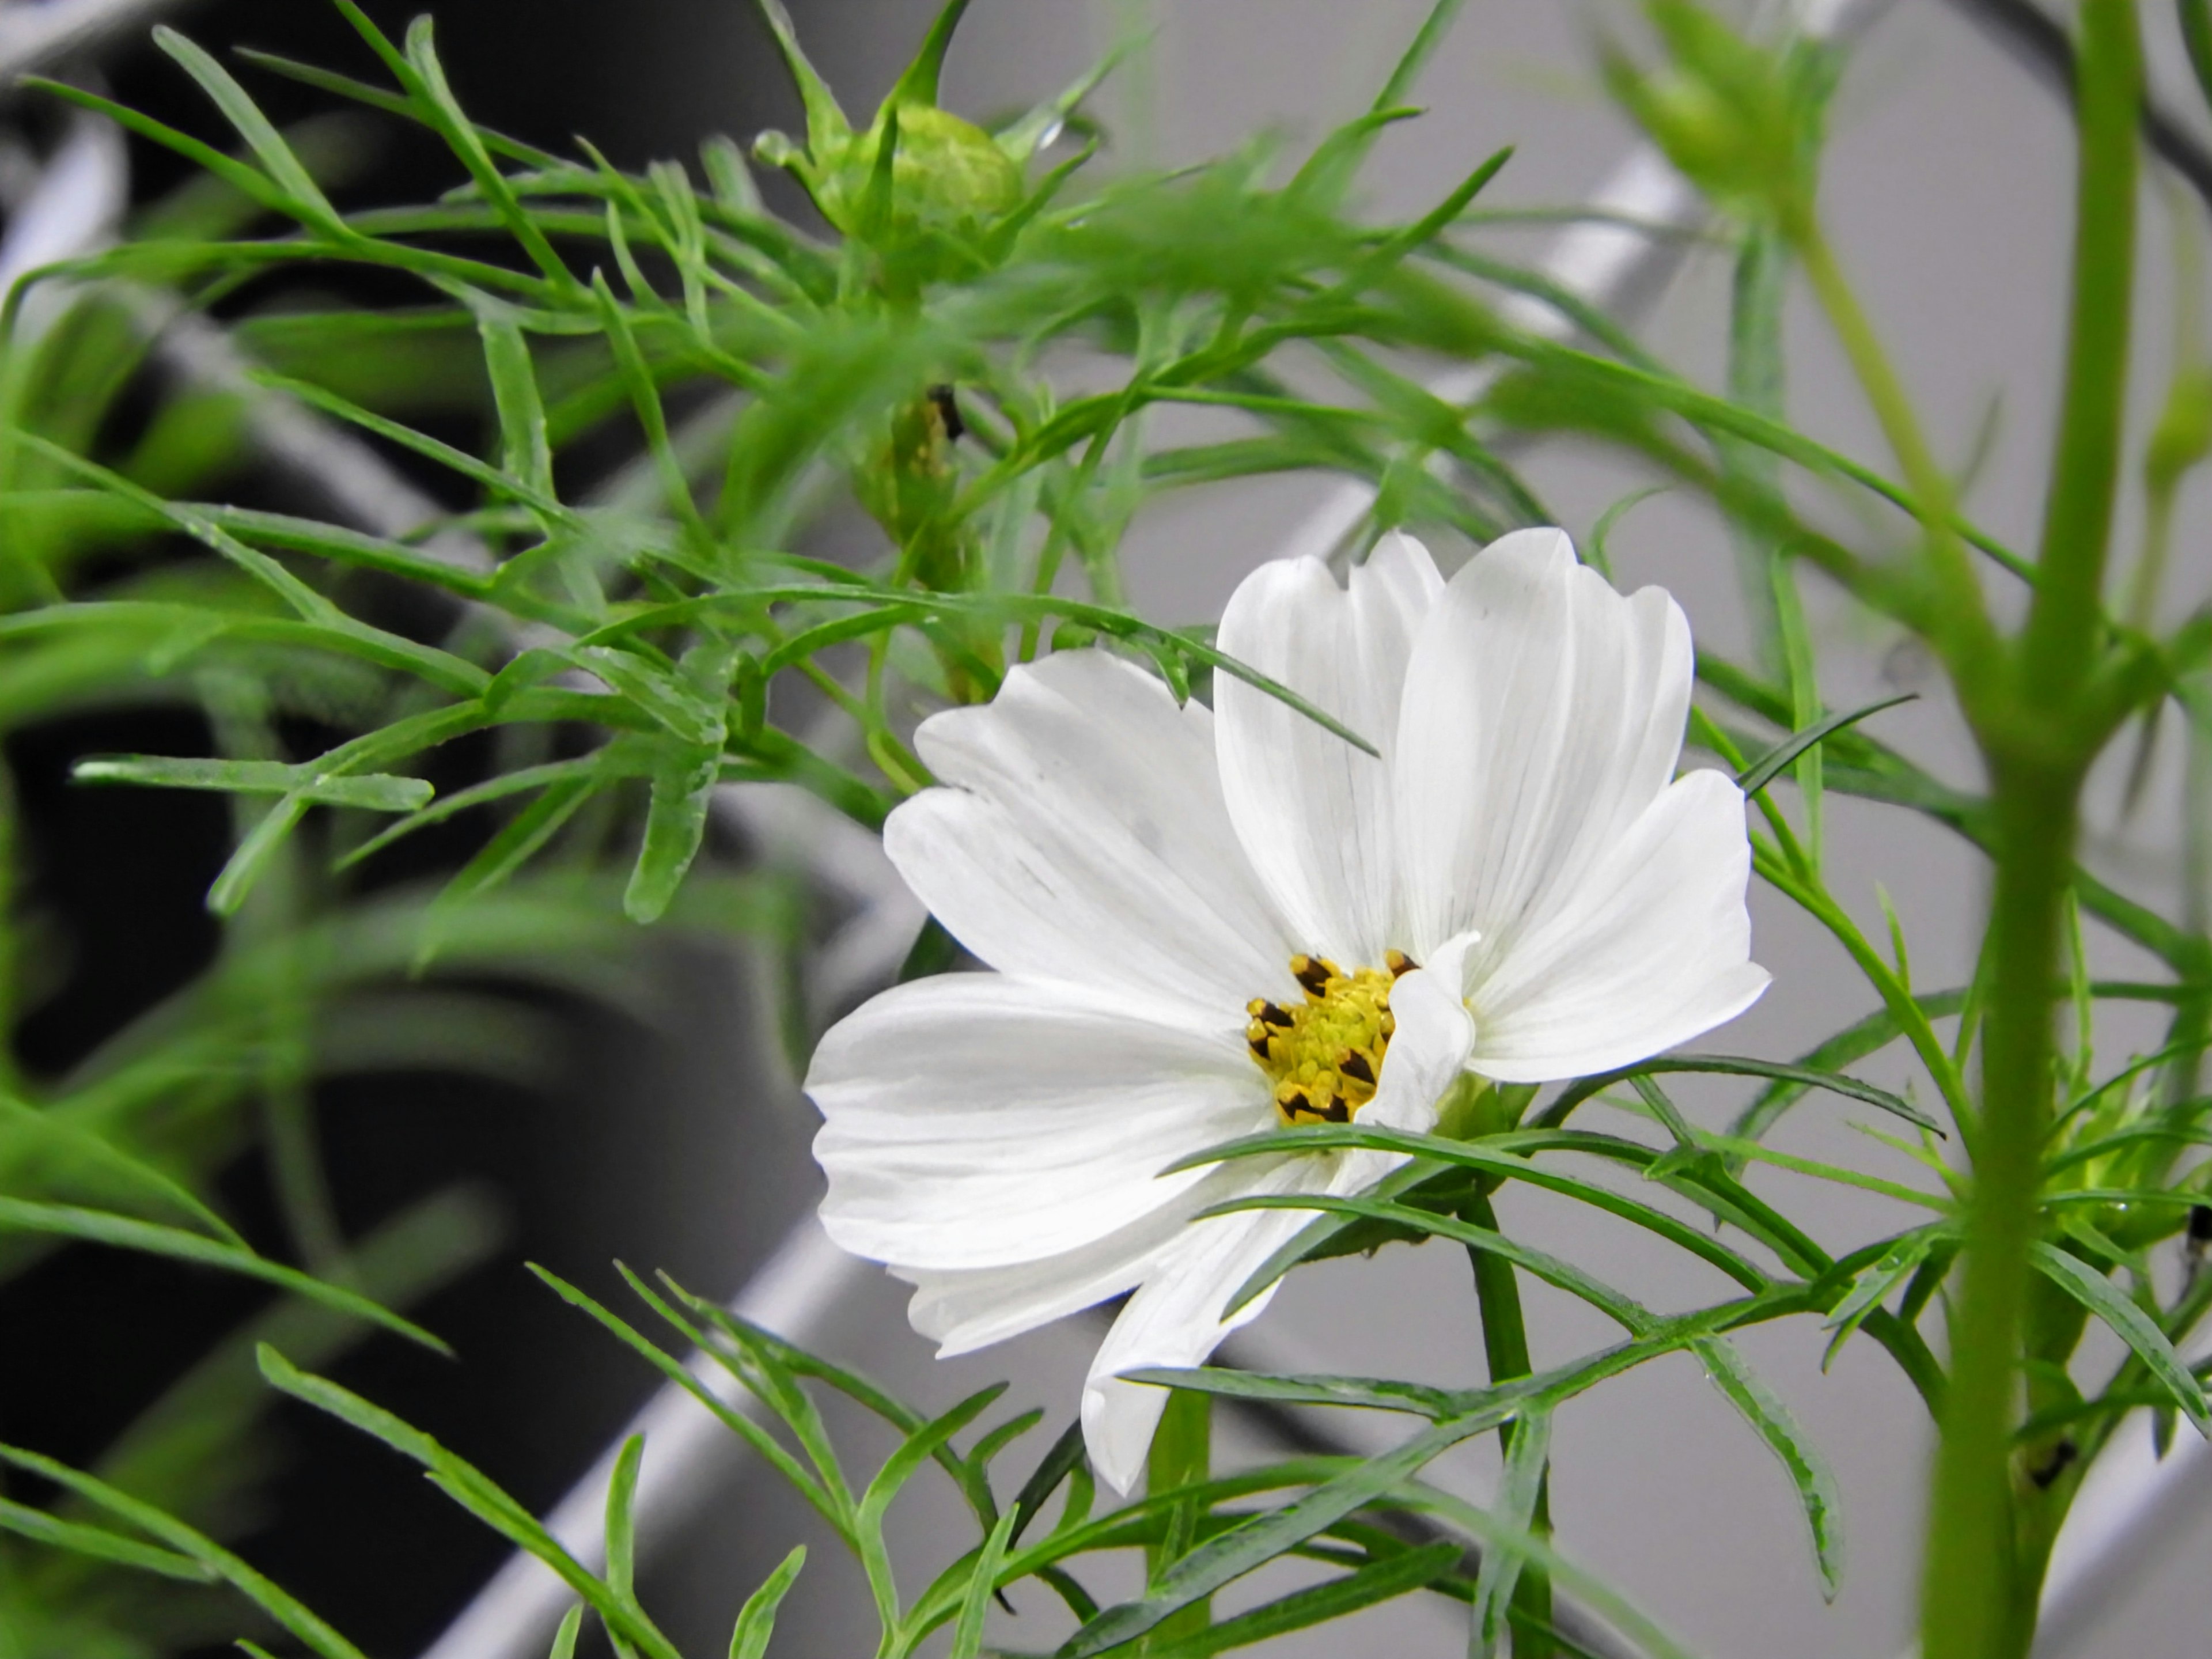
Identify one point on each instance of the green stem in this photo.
(273, 921)
(1506, 1350)
(294, 1149)
(1958, 611)
(2192, 1015)
(1754, 380)
(11, 1080)
(1986, 1545)
(303, 1187)
(1974, 1593)
(2059, 646)
(2158, 540)
(1181, 1455)
(2178, 442)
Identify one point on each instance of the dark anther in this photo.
(1295, 1105)
(1259, 1046)
(2200, 1224)
(1268, 1012)
(1354, 1064)
(1312, 972)
(1399, 963)
(2060, 1454)
(1336, 1111)
(948, 412)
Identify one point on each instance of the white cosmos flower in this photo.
(1519, 887)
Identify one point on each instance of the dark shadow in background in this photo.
(664, 1147)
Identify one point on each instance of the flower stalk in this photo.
(1505, 1350)
(1181, 1455)
(1988, 1536)
(1979, 1596)
(1952, 604)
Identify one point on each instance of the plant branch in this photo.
(1980, 1588)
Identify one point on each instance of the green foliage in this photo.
(782, 1417)
(1742, 122)
(635, 642)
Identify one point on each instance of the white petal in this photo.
(975, 1120)
(1651, 948)
(1084, 840)
(1314, 812)
(963, 1309)
(1543, 713)
(1174, 1318)
(966, 1309)
(1430, 1048)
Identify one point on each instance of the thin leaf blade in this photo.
(1818, 1494)
(756, 1619)
(2130, 1323)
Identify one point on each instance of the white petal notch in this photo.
(1203, 925)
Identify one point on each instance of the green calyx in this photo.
(1474, 1107)
(917, 169)
(943, 172)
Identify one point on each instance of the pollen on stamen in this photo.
(1324, 1056)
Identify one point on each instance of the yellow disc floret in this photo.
(1324, 1055)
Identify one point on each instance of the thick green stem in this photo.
(1987, 1532)
(1974, 1593)
(1506, 1350)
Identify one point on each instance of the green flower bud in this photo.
(2183, 436)
(944, 173)
(1741, 123)
(917, 171)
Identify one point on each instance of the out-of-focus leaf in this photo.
(684, 782)
(100, 1227)
(469, 1487)
(48, 1153)
(373, 792)
(100, 1544)
(174, 1536)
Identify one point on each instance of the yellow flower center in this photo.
(1325, 1056)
